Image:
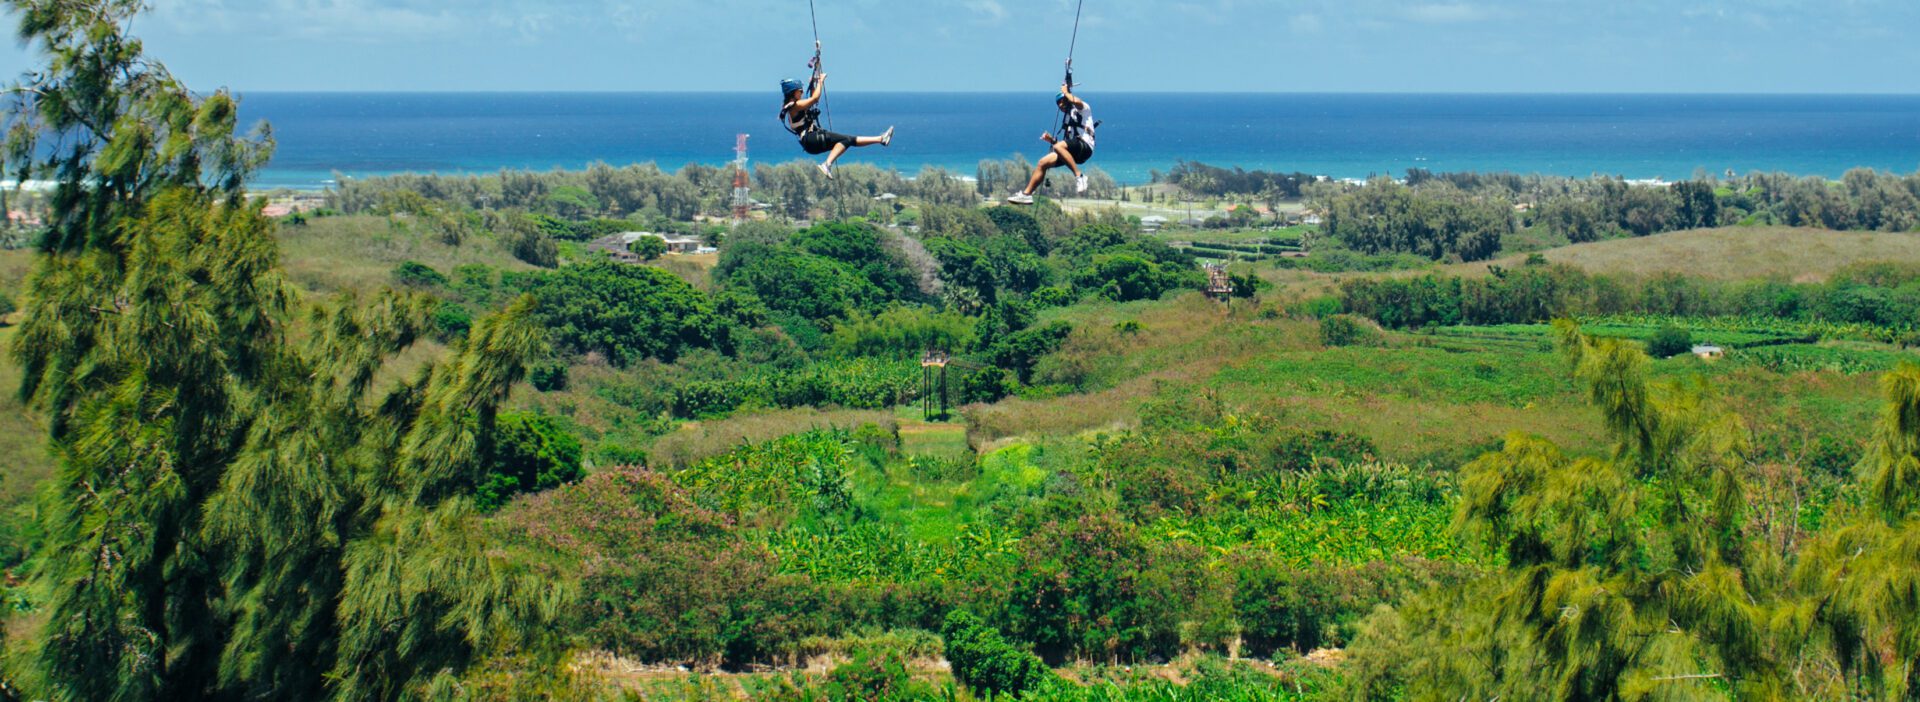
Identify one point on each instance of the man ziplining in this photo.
(1072, 149)
(800, 113)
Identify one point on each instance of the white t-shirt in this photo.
(1080, 121)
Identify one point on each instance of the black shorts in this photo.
(1080, 152)
(820, 141)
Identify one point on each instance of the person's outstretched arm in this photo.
(1067, 90)
(814, 96)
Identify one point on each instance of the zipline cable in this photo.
(826, 107)
(1073, 45)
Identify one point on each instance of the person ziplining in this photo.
(1074, 147)
(800, 113)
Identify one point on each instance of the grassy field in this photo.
(333, 254)
(24, 460)
(1804, 255)
(14, 267)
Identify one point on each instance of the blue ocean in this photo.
(322, 135)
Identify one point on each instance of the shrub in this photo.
(1019, 351)
(533, 246)
(451, 321)
(1322, 307)
(874, 677)
(1095, 588)
(1345, 330)
(1053, 296)
(661, 579)
(1669, 342)
(415, 274)
(983, 661)
(530, 454)
(987, 385)
(1303, 450)
(6, 308)
(548, 377)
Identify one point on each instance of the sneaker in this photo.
(887, 138)
(825, 171)
(1080, 184)
(1020, 199)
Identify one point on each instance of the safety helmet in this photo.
(788, 85)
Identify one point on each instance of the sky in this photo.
(1417, 46)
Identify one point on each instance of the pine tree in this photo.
(241, 513)
(1862, 580)
(1625, 577)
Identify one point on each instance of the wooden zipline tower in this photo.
(1219, 282)
(933, 382)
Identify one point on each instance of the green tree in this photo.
(573, 202)
(530, 453)
(1624, 577)
(1859, 580)
(648, 247)
(626, 313)
(238, 513)
(415, 274)
(986, 663)
(1668, 342)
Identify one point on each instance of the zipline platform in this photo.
(1219, 282)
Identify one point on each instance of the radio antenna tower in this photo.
(742, 199)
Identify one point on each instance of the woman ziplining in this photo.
(800, 113)
(1074, 147)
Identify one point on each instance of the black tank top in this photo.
(803, 125)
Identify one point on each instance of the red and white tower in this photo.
(742, 188)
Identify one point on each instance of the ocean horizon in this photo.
(325, 135)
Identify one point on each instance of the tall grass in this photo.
(1737, 253)
(698, 441)
(333, 254)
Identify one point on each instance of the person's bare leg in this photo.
(882, 140)
(1050, 162)
(838, 151)
(1066, 157)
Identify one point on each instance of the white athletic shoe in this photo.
(887, 138)
(1020, 199)
(1080, 184)
(825, 171)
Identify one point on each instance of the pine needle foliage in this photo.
(1862, 580)
(240, 512)
(1627, 577)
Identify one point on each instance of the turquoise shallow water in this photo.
(1346, 136)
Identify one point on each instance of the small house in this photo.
(677, 244)
(1709, 353)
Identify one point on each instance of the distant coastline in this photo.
(1342, 136)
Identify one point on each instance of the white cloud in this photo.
(1306, 24)
(989, 9)
(1447, 13)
